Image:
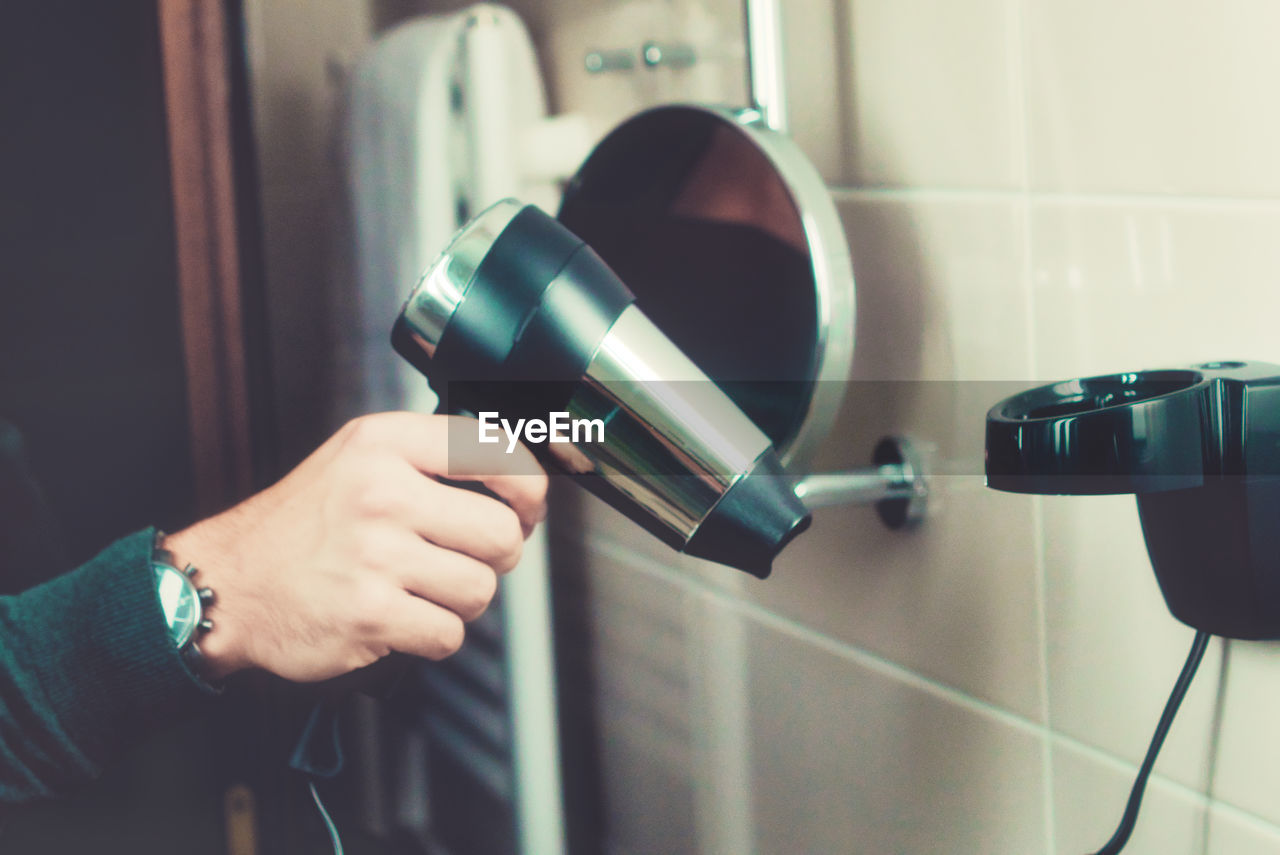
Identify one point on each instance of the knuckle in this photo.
(365, 655)
(369, 552)
(371, 499)
(368, 606)
(537, 487)
(364, 432)
(540, 485)
(371, 563)
(356, 431)
(482, 589)
(450, 636)
(508, 543)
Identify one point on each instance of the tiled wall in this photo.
(1032, 190)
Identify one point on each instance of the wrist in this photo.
(221, 651)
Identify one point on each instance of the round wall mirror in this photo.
(730, 241)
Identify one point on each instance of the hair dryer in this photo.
(517, 317)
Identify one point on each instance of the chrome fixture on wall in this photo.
(653, 54)
(668, 55)
(620, 59)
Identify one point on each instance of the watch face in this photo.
(178, 601)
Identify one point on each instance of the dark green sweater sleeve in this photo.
(86, 667)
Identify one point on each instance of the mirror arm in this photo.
(766, 88)
(895, 483)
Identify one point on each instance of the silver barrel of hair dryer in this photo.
(518, 316)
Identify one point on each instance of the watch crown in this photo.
(205, 625)
(207, 597)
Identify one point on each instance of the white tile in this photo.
(1090, 792)
(955, 600)
(1122, 287)
(941, 287)
(815, 108)
(1233, 834)
(1089, 795)
(941, 300)
(849, 759)
(722, 728)
(1153, 96)
(576, 28)
(642, 704)
(583, 518)
(716, 31)
(1114, 651)
(1247, 768)
(935, 98)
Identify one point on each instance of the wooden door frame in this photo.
(197, 90)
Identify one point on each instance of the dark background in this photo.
(91, 368)
(91, 365)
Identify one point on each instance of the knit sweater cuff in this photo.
(108, 669)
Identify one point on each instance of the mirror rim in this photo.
(829, 258)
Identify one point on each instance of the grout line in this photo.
(1041, 197)
(1042, 628)
(1015, 56)
(871, 661)
(1018, 60)
(845, 65)
(1201, 801)
(878, 664)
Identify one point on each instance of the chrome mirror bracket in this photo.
(895, 483)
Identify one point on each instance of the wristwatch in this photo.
(182, 603)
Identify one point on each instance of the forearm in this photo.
(86, 667)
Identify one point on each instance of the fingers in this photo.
(455, 519)
(524, 492)
(424, 442)
(457, 582)
(421, 628)
(395, 558)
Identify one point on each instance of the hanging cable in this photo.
(1130, 817)
(328, 821)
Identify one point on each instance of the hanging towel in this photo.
(439, 108)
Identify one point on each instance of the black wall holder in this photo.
(1200, 448)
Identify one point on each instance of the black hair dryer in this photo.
(1200, 447)
(519, 317)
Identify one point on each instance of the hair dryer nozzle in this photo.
(753, 521)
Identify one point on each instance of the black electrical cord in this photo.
(1130, 818)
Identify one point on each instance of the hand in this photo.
(360, 551)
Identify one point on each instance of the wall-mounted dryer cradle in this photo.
(1200, 448)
